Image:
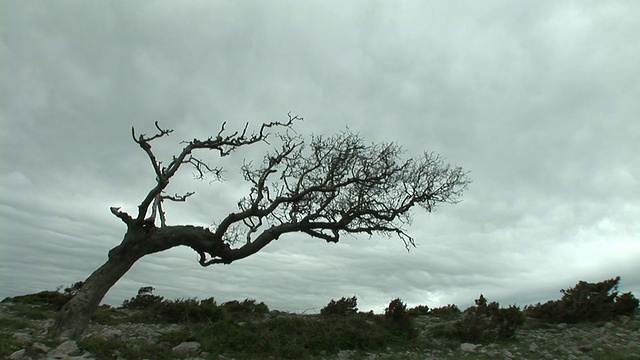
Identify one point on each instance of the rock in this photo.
(533, 347)
(186, 348)
(624, 319)
(546, 355)
(468, 347)
(64, 350)
(345, 354)
(507, 354)
(23, 337)
(40, 347)
(18, 355)
(111, 333)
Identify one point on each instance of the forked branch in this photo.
(223, 143)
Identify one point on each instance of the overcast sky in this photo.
(537, 99)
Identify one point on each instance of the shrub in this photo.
(73, 289)
(51, 300)
(449, 311)
(144, 300)
(626, 304)
(187, 311)
(396, 312)
(342, 307)
(248, 307)
(418, 310)
(486, 322)
(397, 316)
(586, 302)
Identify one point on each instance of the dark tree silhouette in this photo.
(326, 187)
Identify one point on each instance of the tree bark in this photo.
(140, 240)
(73, 318)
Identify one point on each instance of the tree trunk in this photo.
(73, 318)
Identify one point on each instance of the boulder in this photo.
(468, 347)
(65, 350)
(187, 348)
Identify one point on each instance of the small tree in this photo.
(396, 314)
(343, 307)
(324, 188)
(587, 302)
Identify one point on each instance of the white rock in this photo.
(609, 325)
(64, 350)
(533, 347)
(22, 337)
(38, 346)
(468, 347)
(18, 355)
(187, 348)
(111, 333)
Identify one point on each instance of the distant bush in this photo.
(485, 322)
(248, 307)
(144, 300)
(343, 307)
(73, 289)
(51, 300)
(188, 311)
(156, 308)
(396, 314)
(448, 311)
(418, 310)
(586, 302)
(626, 304)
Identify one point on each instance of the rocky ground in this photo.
(618, 339)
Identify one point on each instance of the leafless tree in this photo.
(325, 188)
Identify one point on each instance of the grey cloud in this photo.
(538, 101)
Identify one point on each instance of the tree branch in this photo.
(224, 144)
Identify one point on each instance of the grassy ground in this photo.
(247, 330)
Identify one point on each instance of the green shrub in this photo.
(626, 304)
(586, 302)
(73, 289)
(397, 315)
(51, 300)
(418, 310)
(246, 308)
(448, 311)
(187, 311)
(107, 315)
(485, 322)
(144, 300)
(342, 307)
(286, 336)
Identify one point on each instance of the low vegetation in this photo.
(248, 329)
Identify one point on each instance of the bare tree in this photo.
(325, 188)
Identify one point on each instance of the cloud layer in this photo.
(538, 101)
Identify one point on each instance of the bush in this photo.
(397, 316)
(418, 310)
(144, 300)
(73, 289)
(50, 300)
(586, 302)
(342, 307)
(626, 304)
(486, 322)
(396, 312)
(247, 307)
(449, 311)
(187, 311)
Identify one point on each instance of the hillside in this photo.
(148, 326)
